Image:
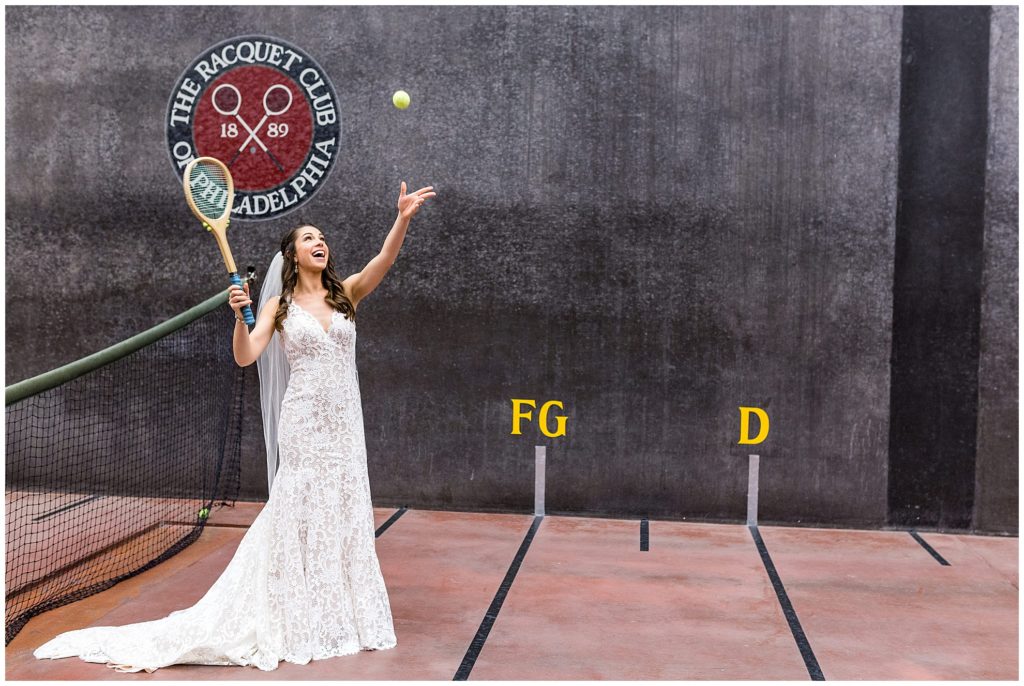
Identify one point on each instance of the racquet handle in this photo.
(246, 312)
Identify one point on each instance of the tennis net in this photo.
(115, 461)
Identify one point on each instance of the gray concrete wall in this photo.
(997, 478)
(654, 215)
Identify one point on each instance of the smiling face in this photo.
(310, 248)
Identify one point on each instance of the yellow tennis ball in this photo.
(400, 99)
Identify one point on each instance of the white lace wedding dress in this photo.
(305, 583)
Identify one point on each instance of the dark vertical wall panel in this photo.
(997, 476)
(937, 283)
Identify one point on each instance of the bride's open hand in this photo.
(409, 205)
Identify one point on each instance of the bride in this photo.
(305, 583)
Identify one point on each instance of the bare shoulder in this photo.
(349, 284)
(272, 304)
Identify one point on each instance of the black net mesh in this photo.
(117, 470)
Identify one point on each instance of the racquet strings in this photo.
(208, 186)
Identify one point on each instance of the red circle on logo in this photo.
(257, 121)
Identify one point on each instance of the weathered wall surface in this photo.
(998, 474)
(653, 215)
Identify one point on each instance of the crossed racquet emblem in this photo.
(227, 100)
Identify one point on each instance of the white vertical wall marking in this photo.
(752, 490)
(538, 484)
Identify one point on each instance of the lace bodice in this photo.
(321, 411)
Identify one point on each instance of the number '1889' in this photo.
(274, 130)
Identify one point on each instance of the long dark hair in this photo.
(336, 297)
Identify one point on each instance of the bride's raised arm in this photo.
(361, 284)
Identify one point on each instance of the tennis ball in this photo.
(204, 513)
(400, 99)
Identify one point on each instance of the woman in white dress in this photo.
(305, 583)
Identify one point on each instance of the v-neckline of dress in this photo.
(327, 331)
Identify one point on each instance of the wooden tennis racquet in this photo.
(210, 194)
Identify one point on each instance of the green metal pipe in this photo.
(73, 370)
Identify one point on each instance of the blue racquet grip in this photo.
(246, 312)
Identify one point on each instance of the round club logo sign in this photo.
(268, 111)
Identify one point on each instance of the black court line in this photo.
(477, 644)
(810, 661)
(391, 520)
(67, 507)
(924, 544)
(645, 543)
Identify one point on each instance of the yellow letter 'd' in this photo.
(745, 425)
(517, 414)
(543, 418)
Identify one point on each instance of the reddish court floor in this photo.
(587, 603)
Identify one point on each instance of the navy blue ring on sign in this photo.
(266, 109)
